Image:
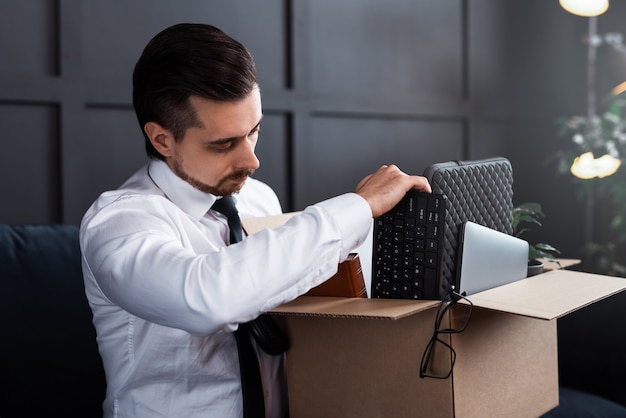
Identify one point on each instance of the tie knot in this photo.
(226, 206)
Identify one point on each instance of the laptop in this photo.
(488, 258)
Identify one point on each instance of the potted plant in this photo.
(600, 134)
(530, 213)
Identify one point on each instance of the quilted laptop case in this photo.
(479, 191)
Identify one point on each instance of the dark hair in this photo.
(188, 60)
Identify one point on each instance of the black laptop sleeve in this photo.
(480, 191)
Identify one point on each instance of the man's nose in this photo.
(246, 157)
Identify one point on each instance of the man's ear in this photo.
(161, 138)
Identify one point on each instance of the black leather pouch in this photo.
(480, 191)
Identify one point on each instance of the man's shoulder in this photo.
(138, 191)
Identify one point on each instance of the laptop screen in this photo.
(488, 258)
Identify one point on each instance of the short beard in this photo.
(219, 189)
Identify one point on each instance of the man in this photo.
(166, 290)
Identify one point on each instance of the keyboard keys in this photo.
(407, 248)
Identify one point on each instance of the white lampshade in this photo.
(585, 8)
(587, 167)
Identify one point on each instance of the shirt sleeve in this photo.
(148, 259)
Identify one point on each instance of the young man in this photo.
(166, 290)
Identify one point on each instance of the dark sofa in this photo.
(49, 361)
(50, 366)
(592, 345)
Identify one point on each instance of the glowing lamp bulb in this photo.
(587, 8)
(586, 166)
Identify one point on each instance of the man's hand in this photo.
(387, 186)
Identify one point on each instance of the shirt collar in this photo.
(192, 201)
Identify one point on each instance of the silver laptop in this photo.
(488, 258)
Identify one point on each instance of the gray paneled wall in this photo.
(347, 85)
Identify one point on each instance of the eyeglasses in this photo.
(439, 356)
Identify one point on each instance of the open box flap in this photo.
(354, 307)
(254, 225)
(545, 296)
(550, 295)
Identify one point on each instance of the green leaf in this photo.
(546, 247)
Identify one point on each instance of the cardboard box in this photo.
(354, 357)
(359, 357)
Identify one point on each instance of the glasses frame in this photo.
(451, 300)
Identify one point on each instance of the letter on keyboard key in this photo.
(422, 207)
(411, 206)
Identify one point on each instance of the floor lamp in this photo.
(587, 166)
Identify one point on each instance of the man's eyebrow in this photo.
(258, 124)
(234, 138)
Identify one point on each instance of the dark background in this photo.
(347, 86)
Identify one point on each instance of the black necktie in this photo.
(252, 388)
(226, 206)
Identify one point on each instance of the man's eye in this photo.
(222, 146)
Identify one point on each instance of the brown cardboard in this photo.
(546, 296)
(361, 357)
(549, 295)
(506, 366)
(358, 367)
(253, 225)
(354, 307)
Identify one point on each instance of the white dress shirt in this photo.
(167, 293)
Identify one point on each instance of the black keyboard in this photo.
(407, 247)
